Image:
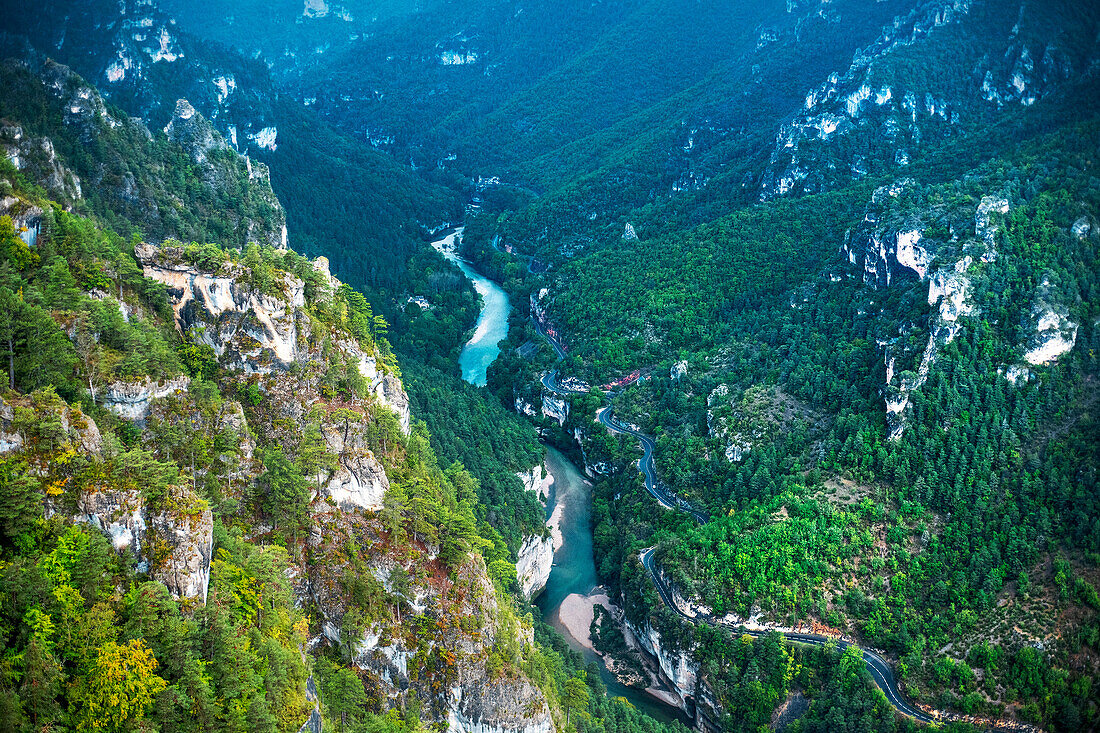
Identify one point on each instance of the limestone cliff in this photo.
(534, 563)
(257, 332)
(904, 239)
(442, 638)
(220, 165)
(171, 537)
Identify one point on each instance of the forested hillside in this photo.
(363, 210)
(838, 259)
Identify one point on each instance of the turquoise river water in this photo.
(574, 568)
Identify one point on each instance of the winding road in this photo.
(877, 666)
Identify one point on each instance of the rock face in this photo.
(386, 388)
(173, 542)
(248, 330)
(132, 400)
(891, 240)
(555, 407)
(498, 708)
(538, 479)
(220, 167)
(465, 695)
(536, 554)
(677, 669)
(534, 563)
(193, 133)
(1055, 335)
(359, 480)
(189, 537)
(35, 156)
(175, 545)
(118, 514)
(251, 331)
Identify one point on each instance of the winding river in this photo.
(569, 504)
(492, 323)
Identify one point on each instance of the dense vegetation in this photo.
(693, 216)
(490, 441)
(134, 180)
(982, 515)
(92, 639)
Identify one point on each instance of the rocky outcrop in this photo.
(26, 219)
(466, 694)
(36, 158)
(188, 536)
(676, 668)
(890, 240)
(387, 388)
(79, 431)
(534, 563)
(10, 438)
(536, 554)
(497, 708)
(81, 105)
(849, 103)
(887, 244)
(118, 514)
(949, 294)
(255, 332)
(884, 256)
(1054, 334)
(248, 330)
(313, 723)
(221, 168)
(132, 400)
(173, 544)
(194, 134)
(555, 407)
(359, 481)
(538, 479)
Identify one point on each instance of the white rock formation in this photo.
(1082, 227)
(386, 388)
(910, 254)
(265, 138)
(186, 530)
(359, 480)
(131, 400)
(533, 565)
(1055, 335)
(538, 479)
(555, 407)
(238, 322)
(677, 668)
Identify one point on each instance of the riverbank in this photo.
(577, 611)
(571, 592)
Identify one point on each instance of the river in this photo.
(574, 570)
(492, 323)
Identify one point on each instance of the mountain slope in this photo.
(209, 467)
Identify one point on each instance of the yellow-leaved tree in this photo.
(118, 689)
